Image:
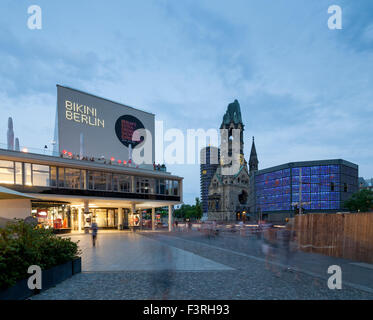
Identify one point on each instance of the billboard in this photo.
(91, 126)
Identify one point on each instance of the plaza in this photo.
(189, 265)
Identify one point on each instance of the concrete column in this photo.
(72, 221)
(140, 215)
(170, 207)
(133, 209)
(86, 215)
(153, 219)
(80, 213)
(120, 217)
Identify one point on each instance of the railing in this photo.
(69, 155)
(43, 151)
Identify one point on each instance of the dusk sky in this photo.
(305, 91)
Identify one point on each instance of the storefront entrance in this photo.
(106, 218)
(52, 215)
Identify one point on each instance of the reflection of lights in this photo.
(25, 150)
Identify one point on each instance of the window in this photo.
(28, 175)
(6, 172)
(61, 177)
(18, 173)
(53, 181)
(162, 186)
(121, 183)
(83, 179)
(145, 185)
(176, 187)
(72, 178)
(345, 187)
(168, 187)
(99, 180)
(40, 175)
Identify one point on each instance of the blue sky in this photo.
(305, 91)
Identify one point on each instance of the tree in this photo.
(198, 210)
(360, 201)
(187, 211)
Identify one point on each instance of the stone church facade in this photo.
(230, 196)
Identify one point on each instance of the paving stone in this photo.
(185, 266)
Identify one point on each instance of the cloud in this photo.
(305, 91)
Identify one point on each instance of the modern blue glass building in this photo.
(324, 186)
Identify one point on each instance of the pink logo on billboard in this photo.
(125, 127)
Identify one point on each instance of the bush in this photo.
(23, 245)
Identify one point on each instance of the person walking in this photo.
(287, 237)
(269, 247)
(94, 229)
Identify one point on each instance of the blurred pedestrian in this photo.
(270, 248)
(287, 237)
(94, 229)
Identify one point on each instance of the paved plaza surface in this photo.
(189, 265)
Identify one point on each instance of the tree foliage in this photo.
(187, 211)
(360, 201)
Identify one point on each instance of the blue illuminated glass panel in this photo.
(321, 187)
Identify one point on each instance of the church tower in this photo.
(232, 120)
(253, 161)
(228, 191)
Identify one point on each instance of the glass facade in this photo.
(51, 215)
(323, 187)
(6, 172)
(31, 174)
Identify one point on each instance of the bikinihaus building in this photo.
(101, 169)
